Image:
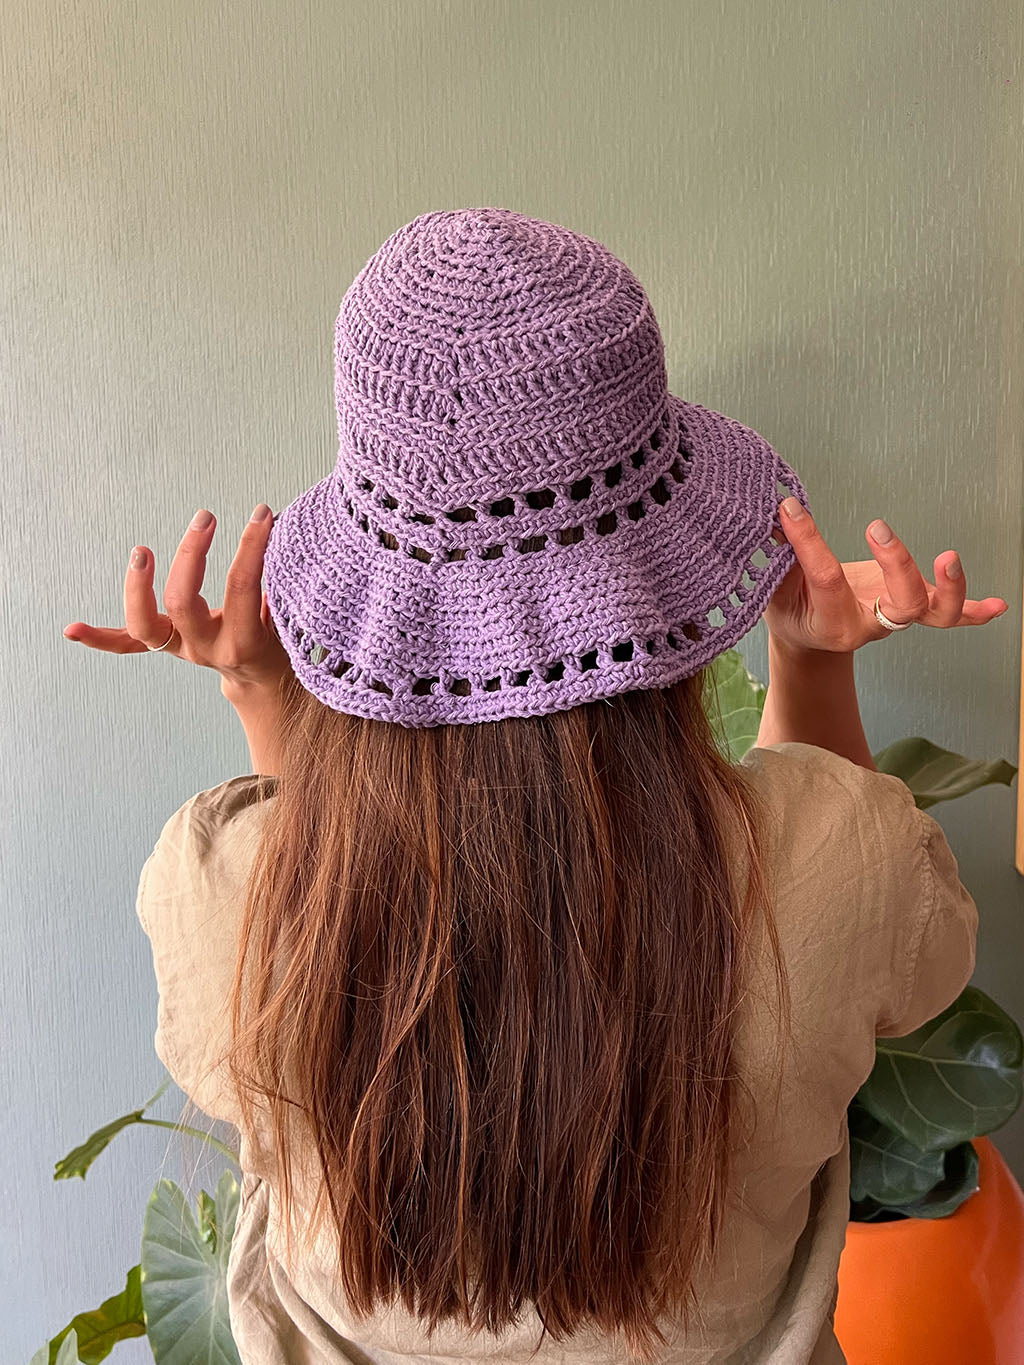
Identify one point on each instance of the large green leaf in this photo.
(935, 774)
(954, 1078)
(67, 1353)
(735, 702)
(97, 1332)
(184, 1270)
(959, 1181)
(78, 1161)
(884, 1166)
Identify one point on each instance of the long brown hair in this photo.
(490, 973)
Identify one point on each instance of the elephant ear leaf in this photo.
(97, 1332)
(80, 1158)
(935, 774)
(735, 705)
(64, 1354)
(184, 1275)
(954, 1078)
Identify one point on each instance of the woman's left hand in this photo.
(238, 640)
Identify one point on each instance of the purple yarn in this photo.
(521, 517)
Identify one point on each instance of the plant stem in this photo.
(192, 1132)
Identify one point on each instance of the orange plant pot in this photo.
(939, 1291)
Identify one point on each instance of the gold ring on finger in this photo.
(883, 620)
(155, 649)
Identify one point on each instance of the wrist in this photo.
(258, 707)
(785, 652)
(244, 691)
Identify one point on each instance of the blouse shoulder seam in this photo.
(923, 919)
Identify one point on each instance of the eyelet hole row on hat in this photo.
(659, 492)
(689, 633)
(536, 499)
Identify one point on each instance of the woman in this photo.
(537, 1017)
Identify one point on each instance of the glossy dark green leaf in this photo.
(118, 1318)
(935, 774)
(954, 1078)
(884, 1166)
(959, 1181)
(735, 700)
(184, 1275)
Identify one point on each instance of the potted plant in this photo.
(933, 1269)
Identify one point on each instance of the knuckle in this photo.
(175, 603)
(830, 578)
(899, 556)
(238, 580)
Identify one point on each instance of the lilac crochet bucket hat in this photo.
(521, 517)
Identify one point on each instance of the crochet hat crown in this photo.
(521, 516)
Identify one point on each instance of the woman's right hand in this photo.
(822, 604)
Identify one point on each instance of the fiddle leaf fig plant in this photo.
(957, 1077)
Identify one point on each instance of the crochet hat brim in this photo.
(373, 630)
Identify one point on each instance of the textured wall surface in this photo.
(824, 203)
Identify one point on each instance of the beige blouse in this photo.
(878, 936)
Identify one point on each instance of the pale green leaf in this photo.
(734, 702)
(184, 1275)
(67, 1353)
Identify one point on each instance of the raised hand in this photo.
(823, 604)
(238, 640)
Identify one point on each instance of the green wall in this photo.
(824, 204)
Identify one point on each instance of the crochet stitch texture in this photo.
(521, 517)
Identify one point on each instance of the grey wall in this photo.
(824, 203)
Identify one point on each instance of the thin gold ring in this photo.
(155, 649)
(883, 620)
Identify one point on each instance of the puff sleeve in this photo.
(190, 899)
(942, 933)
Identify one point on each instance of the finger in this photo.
(949, 592)
(242, 614)
(106, 638)
(979, 613)
(826, 582)
(905, 595)
(186, 608)
(145, 624)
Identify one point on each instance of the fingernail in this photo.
(954, 569)
(881, 531)
(793, 508)
(201, 519)
(138, 558)
(260, 512)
